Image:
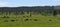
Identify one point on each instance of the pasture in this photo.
(25, 20)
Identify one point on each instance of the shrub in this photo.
(5, 17)
(35, 20)
(12, 20)
(26, 19)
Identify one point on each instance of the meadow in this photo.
(25, 20)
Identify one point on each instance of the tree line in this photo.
(34, 9)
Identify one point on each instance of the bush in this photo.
(12, 20)
(35, 20)
(50, 20)
(54, 13)
(5, 17)
(26, 19)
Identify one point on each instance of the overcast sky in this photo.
(15, 3)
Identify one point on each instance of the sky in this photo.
(16, 3)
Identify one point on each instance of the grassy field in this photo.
(25, 20)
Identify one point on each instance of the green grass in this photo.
(42, 21)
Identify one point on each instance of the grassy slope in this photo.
(43, 21)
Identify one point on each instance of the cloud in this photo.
(57, 0)
(4, 4)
